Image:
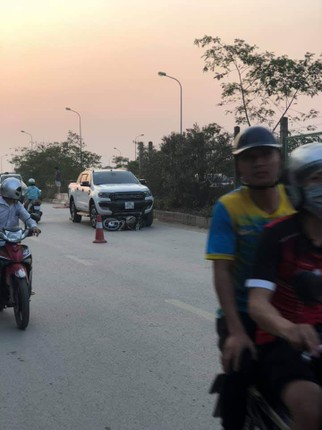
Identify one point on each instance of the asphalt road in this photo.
(121, 335)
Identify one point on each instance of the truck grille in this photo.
(127, 196)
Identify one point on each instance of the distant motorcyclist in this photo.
(11, 209)
(32, 193)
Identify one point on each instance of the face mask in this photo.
(313, 199)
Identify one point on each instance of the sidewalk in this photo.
(61, 200)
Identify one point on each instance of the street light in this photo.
(118, 151)
(135, 143)
(175, 79)
(80, 134)
(31, 140)
(5, 155)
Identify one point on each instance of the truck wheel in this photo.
(92, 215)
(73, 212)
(149, 219)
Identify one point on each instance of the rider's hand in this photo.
(233, 349)
(35, 231)
(303, 337)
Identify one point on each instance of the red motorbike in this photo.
(16, 274)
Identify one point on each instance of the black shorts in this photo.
(278, 364)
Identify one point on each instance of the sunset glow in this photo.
(102, 58)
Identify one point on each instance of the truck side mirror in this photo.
(143, 181)
(85, 184)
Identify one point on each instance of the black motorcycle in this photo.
(34, 208)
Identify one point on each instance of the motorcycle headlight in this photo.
(25, 252)
(104, 195)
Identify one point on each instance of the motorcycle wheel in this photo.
(21, 307)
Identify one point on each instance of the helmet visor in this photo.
(255, 145)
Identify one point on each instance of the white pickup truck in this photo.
(115, 194)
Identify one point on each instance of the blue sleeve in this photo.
(222, 237)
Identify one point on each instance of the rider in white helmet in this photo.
(11, 209)
(290, 323)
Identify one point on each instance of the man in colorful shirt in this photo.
(237, 221)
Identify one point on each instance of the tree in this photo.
(40, 162)
(179, 173)
(120, 162)
(262, 87)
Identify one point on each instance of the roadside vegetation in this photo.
(189, 172)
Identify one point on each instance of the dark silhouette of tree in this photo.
(40, 162)
(260, 87)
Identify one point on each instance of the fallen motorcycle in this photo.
(16, 274)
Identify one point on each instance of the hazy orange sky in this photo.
(102, 57)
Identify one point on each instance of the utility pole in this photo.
(283, 136)
(140, 151)
(237, 178)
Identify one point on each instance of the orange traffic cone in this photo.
(99, 236)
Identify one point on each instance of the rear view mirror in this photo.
(143, 181)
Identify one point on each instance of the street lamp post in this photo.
(5, 155)
(118, 150)
(80, 134)
(31, 140)
(135, 143)
(175, 79)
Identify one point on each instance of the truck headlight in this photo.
(147, 193)
(104, 195)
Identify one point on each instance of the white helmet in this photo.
(304, 161)
(11, 188)
(31, 181)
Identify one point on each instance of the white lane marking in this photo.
(204, 314)
(79, 260)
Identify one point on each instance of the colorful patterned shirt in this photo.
(234, 232)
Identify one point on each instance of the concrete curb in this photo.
(182, 218)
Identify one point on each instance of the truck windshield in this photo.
(122, 177)
(5, 176)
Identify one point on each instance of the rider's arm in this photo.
(265, 314)
(221, 248)
(226, 295)
(301, 336)
(261, 289)
(24, 215)
(262, 284)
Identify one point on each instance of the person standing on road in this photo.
(237, 220)
(57, 179)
